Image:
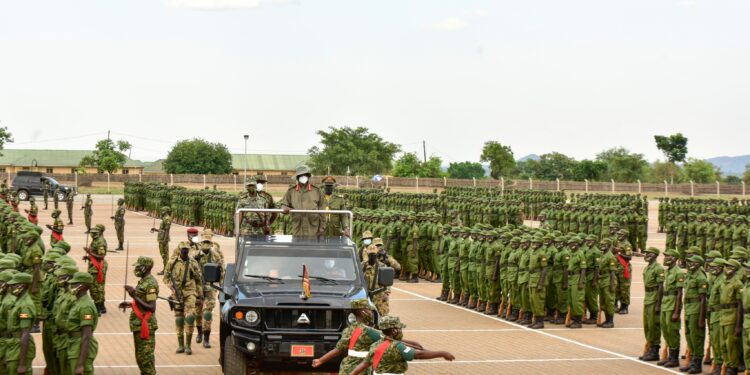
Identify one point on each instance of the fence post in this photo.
(692, 188)
(445, 182)
(234, 186)
(666, 188)
(587, 185)
(204, 181)
(531, 184)
(76, 177)
(417, 184)
(639, 186)
(502, 186)
(718, 189)
(108, 188)
(171, 179)
(356, 180)
(743, 188)
(475, 181)
(386, 182)
(613, 184)
(140, 177)
(558, 183)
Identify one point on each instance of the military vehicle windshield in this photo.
(279, 264)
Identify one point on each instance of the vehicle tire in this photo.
(235, 362)
(23, 195)
(60, 197)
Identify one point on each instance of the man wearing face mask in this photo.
(82, 320)
(262, 184)
(304, 196)
(95, 255)
(204, 308)
(143, 317)
(335, 225)
(21, 349)
(367, 246)
(355, 341)
(254, 223)
(183, 277)
(730, 318)
(670, 307)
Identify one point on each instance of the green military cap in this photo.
(734, 263)
(652, 250)
(183, 245)
(515, 240)
(20, 278)
(81, 278)
(359, 304)
(66, 269)
(95, 229)
(672, 252)
(56, 250)
(455, 229)
(693, 250)
(713, 254)
(144, 261)
(614, 224)
(260, 177)
(56, 211)
(606, 241)
(50, 256)
(166, 209)
(251, 182)
(6, 264)
(696, 259)
(476, 231)
(536, 239)
(14, 257)
(101, 227)
(718, 262)
(6, 275)
(507, 235)
(740, 251)
(590, 237)
(622, 231)
(390, 321)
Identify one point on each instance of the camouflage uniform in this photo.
(208, 253)
(147, 290)
(184, 278)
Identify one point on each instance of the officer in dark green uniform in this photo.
(119, 219)
(21, 349)
(88, 211)
(671, 306)
(653, 277)
(730, 299)
(537, 282)
(696, 292)
(82, 319)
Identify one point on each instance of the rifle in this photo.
(172, 303)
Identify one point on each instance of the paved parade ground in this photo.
(481, 344)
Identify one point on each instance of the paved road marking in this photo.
(517, 360)
(542, 332)
(520, 329)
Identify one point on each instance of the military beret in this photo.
(144, 261)
(192, 230)
(696, 259)
(672, 252)
(359, 304)
(652, 250)
(20, 278)
(390, 321)
(81, 278)
(733, 263)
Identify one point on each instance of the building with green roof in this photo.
(54, 161)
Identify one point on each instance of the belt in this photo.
(727, 306)
(354, 353)
(692, 300)
(652, 289)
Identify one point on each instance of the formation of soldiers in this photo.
(705, 224)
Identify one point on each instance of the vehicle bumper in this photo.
(273, 350)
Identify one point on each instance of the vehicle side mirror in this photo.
(211, 272)
(385, 276)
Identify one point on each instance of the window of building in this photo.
(73, 171)
(49, 170)
(285, 173)
(125, 171)
(25, 168)
(2, 169)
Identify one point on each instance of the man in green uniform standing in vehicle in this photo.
(143, 317)
(303, 195)
(670, 307)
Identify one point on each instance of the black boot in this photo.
(464, 300)
(609, 321)
(591, 319)
(414, 279)
(103, 308)
(623, 309)
(651, 355)
(199, 336)
(695, 366)
(472, 304)
(731, 371)
(560, 318)
(454, 300)
(575, 322)
(206, 335)
(687, 366)
(492, 310)
(481, 305)
(35, 328)
(443, 295)
(513, 315)
(673, 360)
(119, 247)
(538, 323)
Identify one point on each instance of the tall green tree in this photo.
(465, 170)
(665, 171)
(197, 156)
(701, 171)
(409, 165)
(431, 168)
(592, 170)
(746, 175)
(355, 149)
(674, 148)
(5, 137)
(555, 165)
(622, 165)
(500, 158)
(108, 156)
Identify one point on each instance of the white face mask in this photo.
(367, 241)
(303, 180)
(259, 187)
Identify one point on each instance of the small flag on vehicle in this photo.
(305, 283)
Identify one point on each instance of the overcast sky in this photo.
(569, 76)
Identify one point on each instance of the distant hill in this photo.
(731, 165)
(529, 157)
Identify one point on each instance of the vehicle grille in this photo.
(319, 319)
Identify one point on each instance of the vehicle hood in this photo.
(288, 295)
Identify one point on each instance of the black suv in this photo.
(267, 323)
(30, 183)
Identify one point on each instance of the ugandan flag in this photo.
(305, 283)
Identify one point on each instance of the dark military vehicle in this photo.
(268, 322)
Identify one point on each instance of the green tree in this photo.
(674, 148)
(5, 137)
(665, 171)
(555, 165)
(500, 158)
(108, 156)
(592, 170)
(408, 165)
(732, 180)
(197, 156)
(746, 176)
(622, 165)
(528, 168)
(465, 170)
(362, 152)
(701, 171)
(431, 168)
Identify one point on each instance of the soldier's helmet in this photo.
(100, 227)
(20, 278)
(166, 210)
(390, 321)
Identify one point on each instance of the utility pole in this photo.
(107, 134)
(424, 151)
(246, 136)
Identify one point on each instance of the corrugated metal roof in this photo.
(268, 162)
(50, 158)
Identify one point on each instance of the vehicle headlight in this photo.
(252, 317)
(351, 318)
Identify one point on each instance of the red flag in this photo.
(305, 283)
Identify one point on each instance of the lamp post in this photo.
(246, 136)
